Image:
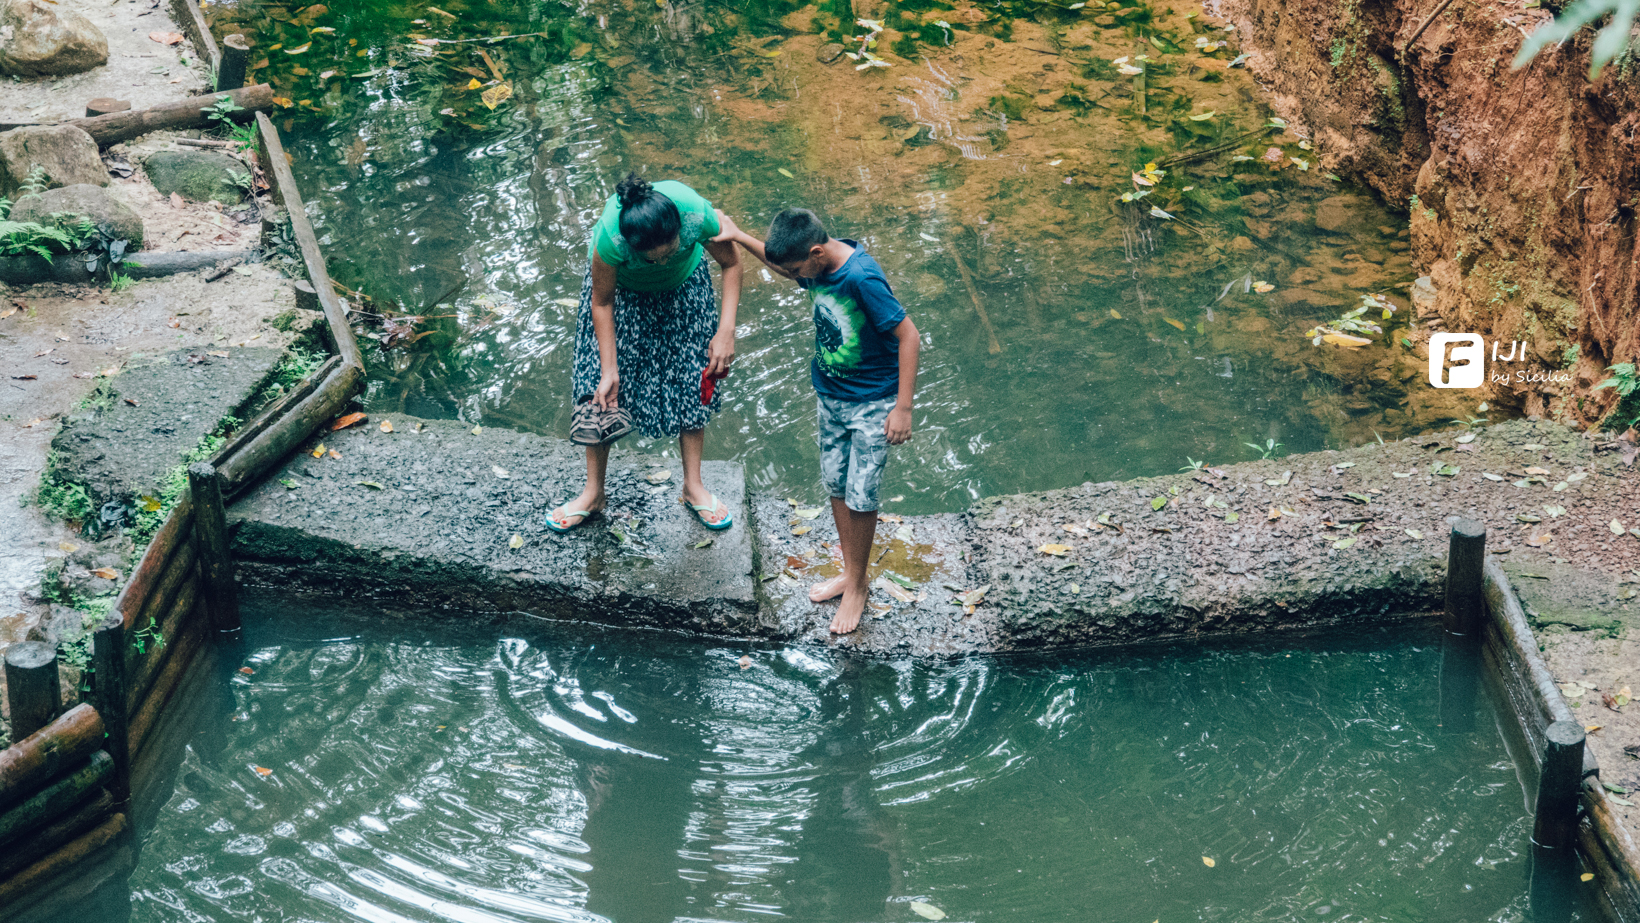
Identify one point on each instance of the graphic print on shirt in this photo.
(837, 324)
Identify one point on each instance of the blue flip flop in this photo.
(699, 508)
(584, 514)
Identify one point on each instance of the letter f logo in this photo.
(1468, 362)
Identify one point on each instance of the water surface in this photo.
(592, 775)
(985, 164)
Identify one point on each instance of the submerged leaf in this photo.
(927, 911)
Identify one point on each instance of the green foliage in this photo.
(225, 106)
(22, 237)
(1269, 447)
(1569, 357)
(1626, 382)
(118, 281)
(1612, 39)
(297, 364)
(59, 498)
(1193, 464)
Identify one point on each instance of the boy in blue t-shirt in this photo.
(864, 372)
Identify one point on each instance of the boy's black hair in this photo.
(648, 218)
(792, 234)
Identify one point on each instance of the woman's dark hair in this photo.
(793, 233)
(648, 219)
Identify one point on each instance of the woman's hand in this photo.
(729, 230)
(609, 391)
(720, 354)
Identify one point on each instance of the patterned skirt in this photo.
(660, 350)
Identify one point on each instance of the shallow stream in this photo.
(587, 775)
(983, 167)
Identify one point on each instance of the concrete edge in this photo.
(1535, 702)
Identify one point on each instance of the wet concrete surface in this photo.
(450, 517)
(153, 414)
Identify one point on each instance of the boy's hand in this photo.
(720, 353)
(898, 427)
(728, 229)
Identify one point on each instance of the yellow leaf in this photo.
(107, 573)
(1203, 117)
(1208, 861)
(1143, 180)
(1115, 313)
(299, 48)
(282, 102)
(320, 451)
(1591, 728)
(1586, 876)
(325, 29)
(785, 172)
(473, 84)
(1055, 550)
(478, 431)
(1344, 339)
(1177, 323)
(516, 542)
(387, 426)
(335, 454)
(1263, 287)
(70, 547)
(802, 530)
(496, 95)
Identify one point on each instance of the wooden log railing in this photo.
(192, 112)
(65, 787)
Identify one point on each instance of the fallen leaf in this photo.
(335, 454)
(319, 451)
(299, 48)
(1616, 527)
(972, 598)
(1208, 861)
(904, 534)
(660, 476)
(1465, 439)
(889, 517)
(176, 200)
(346, 421)
(501, 472)
(894, 592)
(478, 431)
(1539, 472)
(927, 911)
(802, 530)
(1177, 323)
(745, 662)
(1539, 539)
(1415, 533)
(370, 484)
(166, 38)
(813, 513)
(1576, 476)
(69, 547)
(516, 542)
(107, 573)
(1591, 728)
(1157, 503)
(1344, 339)
(785, 172)
(387, 426)
(261, 771)
(1344, 542)
(703, 543)
(247, 671)
(1055, 550)
(28, 377)
(1263, 288)
(1115, 313)
(1286, 477)
(1586, 876)
(1342, 465)
(496, 95)
(1533, 446)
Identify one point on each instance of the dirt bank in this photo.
(1521, 185)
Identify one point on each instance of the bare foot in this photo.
(826, 589)
(590, 501)
(848, 612)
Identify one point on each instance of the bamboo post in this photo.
(211, 531)
(108, 692)
(1465, 561)
(973, 293)
(33, 692)
(1559, 782)
(236, 57)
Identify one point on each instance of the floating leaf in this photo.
(1344, 339)
(1588, 876)
(1055, 550)
(1176, 323)
(1115, 313)
(262, 771)
(303, 47)
(927, 911)
(1208, 861)
(516, 542)
(496, 95)
(1158, 213)
(906, 582)
(785, 172)
(1203, 117)
(1263, 288)
(1344, 542)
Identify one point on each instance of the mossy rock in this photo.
(198, 176)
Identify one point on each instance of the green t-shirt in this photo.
(700, 224)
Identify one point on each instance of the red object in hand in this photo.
(708, 385)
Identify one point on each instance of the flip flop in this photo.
(724, 523)
(584, 514)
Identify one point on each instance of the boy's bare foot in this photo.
(826, 589)
(848, 612)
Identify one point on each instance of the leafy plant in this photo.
(1194, 465)
(36, 182)
(1608, 43)
(44, 241)
(118, 281)
(1626, 382)
(242, 180)
(225, 107)
(1266, 450)
(149, 634)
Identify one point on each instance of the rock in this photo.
(828, 53)
(38, 40)
(1341, 214)
(1242, 245)
(99, 205)
(68, 155)
(1423, 295)
(197, 176)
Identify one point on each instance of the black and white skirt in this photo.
(661, 340)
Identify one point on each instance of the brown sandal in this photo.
(592, 426)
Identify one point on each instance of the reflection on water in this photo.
(595, 776)
(982, 169)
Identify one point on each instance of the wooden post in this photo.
(1460, 682)
(307, 298)
(57, 798)
(1559, 783)
(104, 105)
(33, 693)
(236, 57)
(1465, 560)
(30, 763)
(211, 531)
(111, 129)
(108, 694)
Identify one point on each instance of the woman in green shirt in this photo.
(649, 331)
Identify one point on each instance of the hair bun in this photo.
(632, 190)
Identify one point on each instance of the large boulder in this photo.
(95, 203)
(67, 153)
(39, 39)
(197, 176)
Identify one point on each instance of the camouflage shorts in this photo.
(854, 449)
